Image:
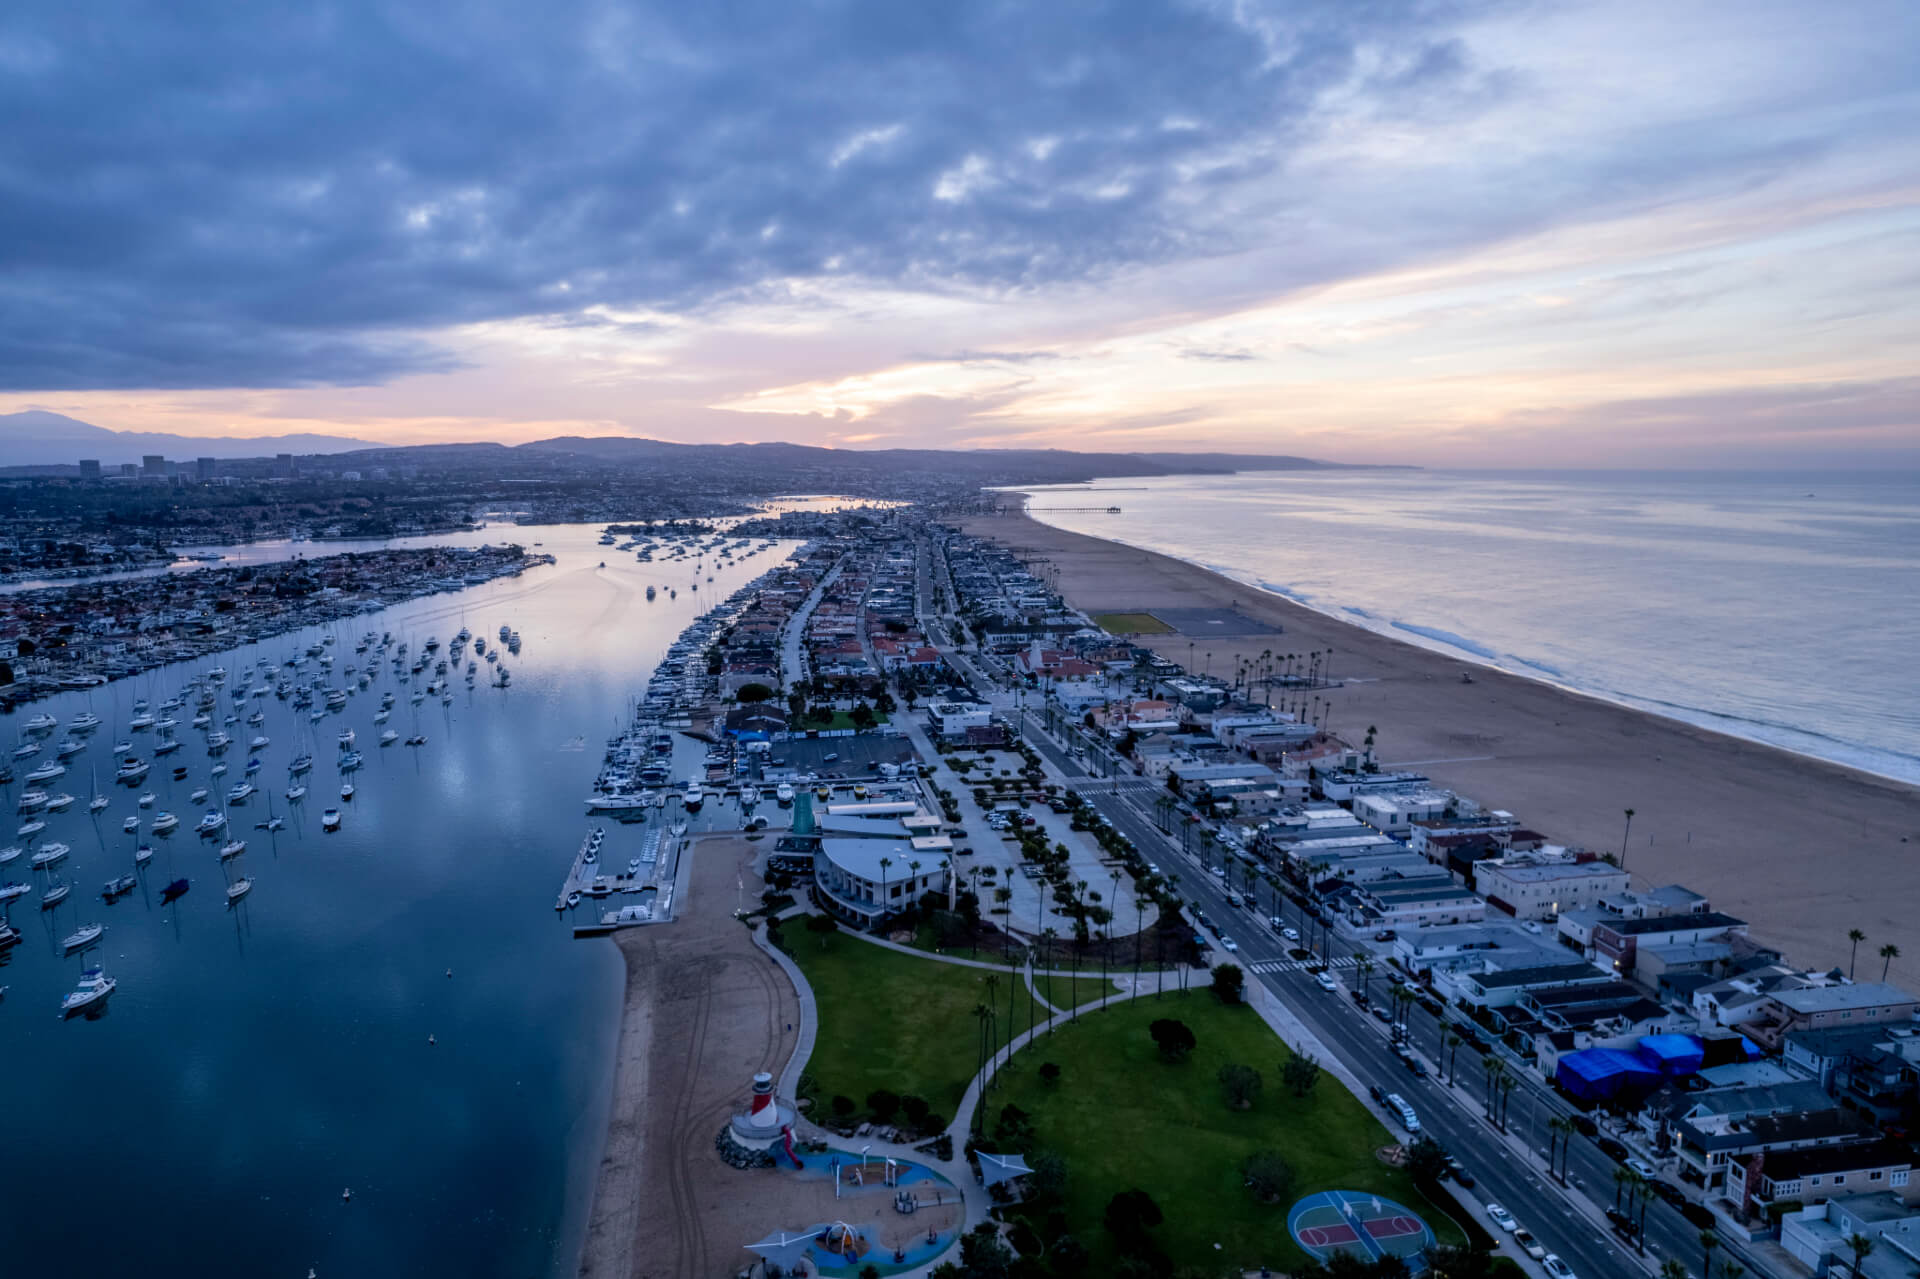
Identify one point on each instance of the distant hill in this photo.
(39, 438)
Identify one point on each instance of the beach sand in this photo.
(1802, 849)
(704, 1010)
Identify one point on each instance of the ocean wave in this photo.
(1460, 642)
(1554, 671)
(1287, 591)
(1357, 611)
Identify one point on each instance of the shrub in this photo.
(1229, 983)
(1241, 1084)
(884, 1103)
(1268, 1176)
(1300, 1073)
(916, 1110)
(1049, 1072)
(842, 1105)
(1174, 1038)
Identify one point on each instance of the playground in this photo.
(888, 1213)
(1350, 1221)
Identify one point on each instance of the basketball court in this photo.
(1367, 1225)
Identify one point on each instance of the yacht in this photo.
(11, 853)
(295, 794)
(381, 717)
(84, 722)
(351, 760)
(199, 795)
(131, 825)
(693, 798)
(146, 800)
(218, 770)
(10, 891)
(166, 746)
(345, 738)
(132, 770)
(50, 855)
(81, 938)
(98, 804)
(26, 750)
(389, 737)
(238, 792)
(68, 748)
(54, 896)
(94, 988)
(237, 889)
(143, 854)
(232, 849)
(32, 801)
(140, 722)
(202, 720)
(618, 803)
(346, 791)
(218, 740)
(330, 820)
(47, 772)
(59, 803)
(218, 674)
(164, 823)
(212, 822)
(118, 885)
(259, 743)
(300, 764)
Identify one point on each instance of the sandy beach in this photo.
(704, 1009)
(1802, 849)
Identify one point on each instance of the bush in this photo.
(884, 1103)
(1049, 1072)
(1268, 1176)
(1130, 1214)
(842, 1105)
(1241, 1084)
(1300, 1073)
(754, 693)
(1229, 983)
(916, 1110)
(1174, 1038)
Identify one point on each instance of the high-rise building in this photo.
(283, 465)
(153, 464)
(203, 468)
(89, 468)
(128, 470)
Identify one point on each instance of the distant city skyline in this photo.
(1460, 234)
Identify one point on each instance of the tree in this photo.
(1241, 1084)
(842, 1105)
(1229, 983)
(1426, 1161)
(1174, 1038)
(1623, 839)
(1300, 1073)
(1861, 1247)
(753, 693)
(1048, 1179)
(1888, 953)
(1131, 1213)
(1854, 938)
(1268, 1175)
(983, 1255)
(862, 715)
(915, 1108)
(884, 1103)
(821, 926)
(1049, 1073)
(1673, 1268)
(1708, 1242)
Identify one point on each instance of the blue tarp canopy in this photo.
(1673, 1055)
(1601, 1074)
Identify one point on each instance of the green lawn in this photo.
(841, 720)
(1131, 624)
(1064, 992)
(889, 1020)
(1122, 1118)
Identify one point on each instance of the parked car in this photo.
(1585, 1126)
(1502, 1218)
(1524, 1240)
(1611, 1149)
(1699, 1216)
(1414, 1065)
(1228, 944)
(1669, 1192)
(1460, 1173)
(1642, 1167)
(1376, 1092)
(1385, 934)
(1556, 1267)
(1382, 1014)
(1621, 1222)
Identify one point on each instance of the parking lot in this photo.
(843, 757)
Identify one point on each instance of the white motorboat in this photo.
(54, 896)
(218, 740)
(330, 820)
(143, 854)
(351, 760)
(118, 885)
(146, 800)
(300, 764)
(218, 770)
(98, 804)
(345, 738)
(239, 791)
(50, 855)
(94, 988)
(32, 801)
(69, 748)
(132, 771)
(232, 849)
(165, 822)
(59, 803)
(693, 797)
(212, 822)
(346, 791)
(84, 722)
(271, 824)
(237, 889)
(141, 722)
(202, 720)
(295, 794)
(26, 750)
(131, 825)
(260, 743)
(199, 795)
(381, 717)
(122, 746)
(11, 853)
(42, 723)
(81, 938)
(11, 891)
(47, 772)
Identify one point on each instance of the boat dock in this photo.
(622, 899)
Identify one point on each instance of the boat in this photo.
(300, 764)
(271, 824)
(130, 825)
(418, 739)
(141, 722)
(260, 743)
(32, 801)
(237, 889)
(26, 750)
(11, 890)
(345, 738)
(351, 760)
(68, 748)
(693, 797)
(11, 853)
(166, 746)
(389, 737)
(117, 886)
(146, 800)
(232, 849)
(84, 722)
(98, 804)
(218, 740)
(93, 990)
(330, 820)
(199, 795)
(239, 791)
(132, 771)
(202, 720)
(346, 791)
(618, 803)
(59, 803)
(81, 938)
(164, 822)
(54, 896)
(49, 855)
(175, 891)
(295, 794)
(218, 770)
(212, 822)
(123, 746)
(143, 854)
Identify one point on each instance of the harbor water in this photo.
(395, 1010)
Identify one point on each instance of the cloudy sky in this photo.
(1611, 233)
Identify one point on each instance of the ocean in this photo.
(1784, 608)
(257, 1062)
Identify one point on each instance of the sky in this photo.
(1433, 232)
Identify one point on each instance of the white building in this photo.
(865, 882)
(1546, 884)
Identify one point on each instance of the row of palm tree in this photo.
(1888, 953)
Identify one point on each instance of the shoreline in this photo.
(1775, 837)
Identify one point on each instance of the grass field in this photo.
(1122, 1118)
(889, 1020)
(1131, 624)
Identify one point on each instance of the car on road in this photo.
(1502, 1218)
(1290, 934)
(1524, 1240)
(1385, 934)
(1325, 981)
(1153, 868)
(1584, 1126)
(1559, 1269)
(1414, 1065)
(1642, 1167)
(1458, 1171)
(1409, 1118)
(1699, 1216)
(1376, 1092)
(1669, 1192)
(1611, 1149)
(1228, 944)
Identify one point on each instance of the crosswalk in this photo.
(1117, 786)
(1299, 965)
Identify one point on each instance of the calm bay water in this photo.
(256, 1062)
(1781, 608)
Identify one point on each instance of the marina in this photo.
(293, 1015)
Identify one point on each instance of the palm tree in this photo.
(884, 863)
(992, 982)
(1888, 953)
(1561, 1130)
(1861, 1247)
(1047, 936)
(1620, 1179)
(1366, 974)
(1623, 839)
(1673, 1268)
(1708, 1242)
(981, 1015)
(1453, 1040)
(1731, 1270)
(1854, 938)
